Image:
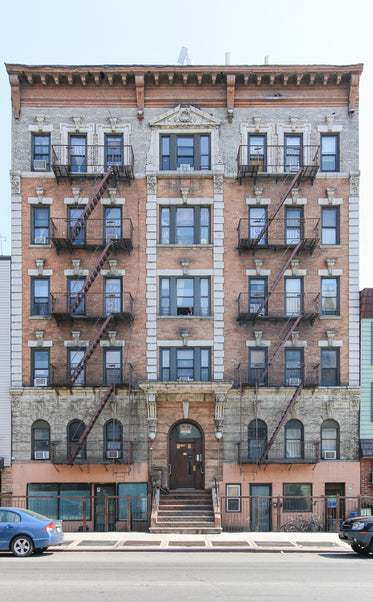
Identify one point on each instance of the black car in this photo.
(358, 532)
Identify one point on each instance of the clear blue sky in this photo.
(90, 32)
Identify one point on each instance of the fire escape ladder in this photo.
(91, 423)
(273, 438)
(78, 298)
(281, 345)
(79, 367)
(283, 269)
(95, 198)
(278, 207)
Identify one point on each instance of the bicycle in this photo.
(295, 524)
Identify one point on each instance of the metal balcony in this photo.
(95, 374)
(92, 307)
(95, 234)
(82, 162)
(281, 234)
(277, 161)
(280, 374)
(291, 452)
(278, 306)
(93, 452)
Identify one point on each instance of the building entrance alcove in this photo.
(186, 464)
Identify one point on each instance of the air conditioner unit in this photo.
(294, 382)
(40, 165)
(185, 167)
(41, 455)
(329, 455)
(41, 382)
(113, 453)
(40, 240)
(184, 379)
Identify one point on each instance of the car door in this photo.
(9, 522)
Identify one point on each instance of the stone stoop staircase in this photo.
(185, 511)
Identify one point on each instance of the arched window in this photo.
(329, 440)
(294, 439)
(40, 440)
(257, 438)
(113, 437)
(75, 430)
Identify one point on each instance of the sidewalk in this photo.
(232, 542)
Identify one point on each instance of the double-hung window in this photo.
(40, 367)
(293, 367)
(113, 295)
(74, 215)
(329, 226)
(185, 152)
(330, 296)
(40, 225)
(293, 152)
(257, 220)
(40, 297)
(258, 151)
(40, 440)
(40, 152)
(257, 439)
(113, 150)
(112, 366)
(74, 287)
(233, 498)
(294, 439)
(185, 296)
(78, 153)
(329, 440)
(293, 296)
(75, 356)
(185, 225)
(112, 223)
(293, 225)
(257, 294)
(329, 367)
(329, 152)
(113, 435)
(257, 366)
(184, 364)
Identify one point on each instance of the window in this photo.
(112, 223)
(113, 436)
(113, 150)
(293, 296)
(257, 151)
(40, 367)
(257, 439)
(297, 497)
(78, 154)
(293, 152)
(329, 296)
(257, 293)
(294, 439)
(64, 501)
(329, 367)
(113, 295)
(185, 296)
(138, 494)
(233, 498)
(40, 152)
(329, 226)
(293, 367)
(185, 152)
(112, 366)
(293, 225)
(75, 356)
(257, 365)
(329, 440)
(40, 296)
(74, 286)
(329, 152)
(185, 225)
(40, 440)
(40, 225)
(257, 220)
(75, 430)
(183, 364)
(74, 214)
(7, 516)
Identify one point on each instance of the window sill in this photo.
(34, 245)
(331, 246)
(39, 317)
(186, 246)
(330, 317)
(185, 317)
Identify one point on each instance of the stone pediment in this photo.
(185, 117)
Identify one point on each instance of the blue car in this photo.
(24, 532)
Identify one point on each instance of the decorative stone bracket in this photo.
(220, 400)
(151, 406)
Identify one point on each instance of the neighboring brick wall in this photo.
(366, 470)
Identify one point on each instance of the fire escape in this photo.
(270, 234)
(67, 235)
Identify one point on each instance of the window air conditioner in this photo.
(294, 382)
(41, 455)
(329, 455)
(41, 382)
(40, 165)
(184, 379)
(40, 240)
(113, 453)
(184, 167)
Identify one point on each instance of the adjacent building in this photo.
(5, 409)
(185, 279)
(366, 374)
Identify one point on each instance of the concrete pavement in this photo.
(238, 542)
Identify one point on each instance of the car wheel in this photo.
(22, 546)
(360, 549)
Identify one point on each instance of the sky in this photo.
(124, 32)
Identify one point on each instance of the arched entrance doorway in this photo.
(186, 457)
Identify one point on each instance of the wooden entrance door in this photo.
(186, 458)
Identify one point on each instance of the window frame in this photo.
(117, 296)
(255, 371)
(46, 368)
(294, 424)
(232, 498)
(335, 351)
(117, 225)
(73, 441)
(196, 308)
(324, 211)
(56, 500)
(40, 156)
(171, 158)
(254, 230)
(288, 164)
(329, 424)
(114, 443)
(79, 167)
(297, 372)
(289, 240)
(108, 162)
(261, 298)
(173, 368)
(293, 297)
(80, 240)
(297, 505)
(34, 227)
(34, 303)
(81, 379)
(118, 366)
(337, 311)
(82, 308)
(172, 227)
(259, 159)
(36, 444)
(260, 442)
(336, 154)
